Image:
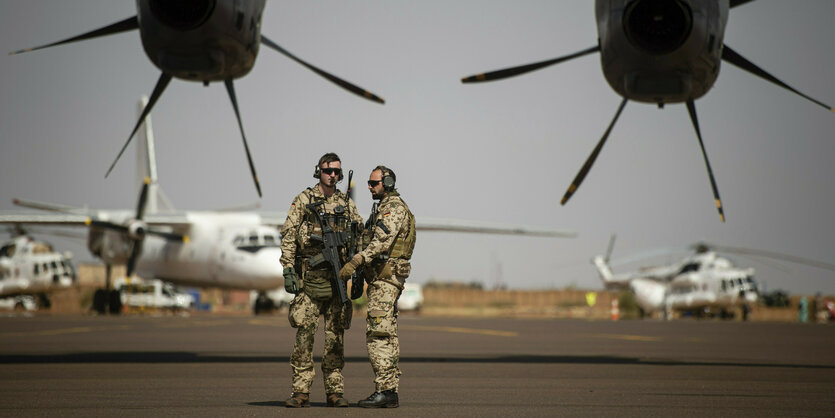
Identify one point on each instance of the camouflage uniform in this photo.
(316, 296)
(393, 234)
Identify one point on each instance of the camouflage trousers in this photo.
(304, 316)
(381, 332)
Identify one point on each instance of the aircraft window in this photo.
(269, 240)
(37, 269)
(239, 240)
(739, 282)
(253, 239)
(689, 267)
(41, 248)
(724, 284)
(45, 267)
(7, 251)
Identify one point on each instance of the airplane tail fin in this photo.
(146, 165)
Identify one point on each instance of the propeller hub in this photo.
(657, 26)
(137, 230)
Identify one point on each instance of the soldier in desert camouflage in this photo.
(391, 231)
(312, 285)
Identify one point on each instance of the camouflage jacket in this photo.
(394, 220)
(295, 234)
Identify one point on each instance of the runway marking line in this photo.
(628, 337)
(491, 332)
(61, 331)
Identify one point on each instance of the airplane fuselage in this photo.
(661, 51)
(201, 40)
(228, 250)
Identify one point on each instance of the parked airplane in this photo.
(657, 51)
(235, 250)
(202, 40)
(32, 267)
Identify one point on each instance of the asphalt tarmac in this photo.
(206, 365)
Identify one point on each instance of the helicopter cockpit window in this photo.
(7, 251)
(689, 267)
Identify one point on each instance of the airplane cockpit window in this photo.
(253, 240)
(269, 240)
(689, 267)
(239, 240)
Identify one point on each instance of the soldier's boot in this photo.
(298, 400)
(336, 400)
(384, 399)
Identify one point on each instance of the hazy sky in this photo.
(503, 151)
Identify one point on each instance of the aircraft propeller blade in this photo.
(522, 69)
(587, 166)
(130, 23)
(134, 256)
(691, 108)
(735, 3)
(143, 197)
(230, 88)
(162, 83)
(359, 91)
(734, 58)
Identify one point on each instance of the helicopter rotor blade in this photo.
(130, 23)
(522, 69)
(691, 109)
(775, 255)
(734, 58)
(359, 91)
(611, 247)
(592, 157)
(230, 88)
(162, 83)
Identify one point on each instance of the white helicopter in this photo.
(30, 267)
(701, 283)
(223, 249)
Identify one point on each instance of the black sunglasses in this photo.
(373, 183)
(336, 171)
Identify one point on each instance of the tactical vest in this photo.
(317, 282)
(404, 242)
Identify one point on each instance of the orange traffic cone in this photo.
(615, 314)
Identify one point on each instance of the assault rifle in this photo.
(332, 241)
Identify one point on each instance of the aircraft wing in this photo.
(173, 220)
(67, 219)
(478, 227)
(451, 225)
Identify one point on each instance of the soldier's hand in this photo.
(291, 280)
(348, 269)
